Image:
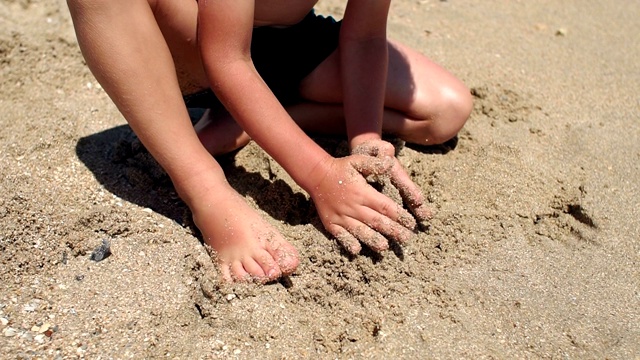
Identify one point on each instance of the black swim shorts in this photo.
(284, 56)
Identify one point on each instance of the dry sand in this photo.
(533, 252)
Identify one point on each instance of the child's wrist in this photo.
(315, 175)
(358, 140)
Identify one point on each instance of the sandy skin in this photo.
(254, 252)
(247, 248)
(411, 98)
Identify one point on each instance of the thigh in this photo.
(414, 82)
(178, 21)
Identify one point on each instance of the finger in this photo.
(410, 193)
(389, 208)
(348, 241)
(373, 239)
(369, 165)
(405, 219)
(390, 229)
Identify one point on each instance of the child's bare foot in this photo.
(246, 246)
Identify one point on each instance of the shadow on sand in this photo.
(123, 166)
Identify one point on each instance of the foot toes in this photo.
(287, 258)
(225, 273)
(253, 268)
(269, 266)
(238, 273)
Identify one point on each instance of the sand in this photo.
(533, 251)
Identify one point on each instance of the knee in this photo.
(444, 115)
(457, 105)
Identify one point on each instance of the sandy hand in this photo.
(353, 211)
(409, 191)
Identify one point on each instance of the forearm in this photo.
(364, 75)
(364, 61)
(261, 115)
(224, 37)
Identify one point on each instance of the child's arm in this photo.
(224, 36)
(364, 61)
(347, 206)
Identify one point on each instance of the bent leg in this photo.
(128, 46)
(425, 104)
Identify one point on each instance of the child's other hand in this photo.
(411, 194)
(353, 211)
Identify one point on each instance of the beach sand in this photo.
(533, 251)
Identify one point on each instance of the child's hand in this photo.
(410, 193)
(353, 211)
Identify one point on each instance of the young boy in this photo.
(272, 71)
